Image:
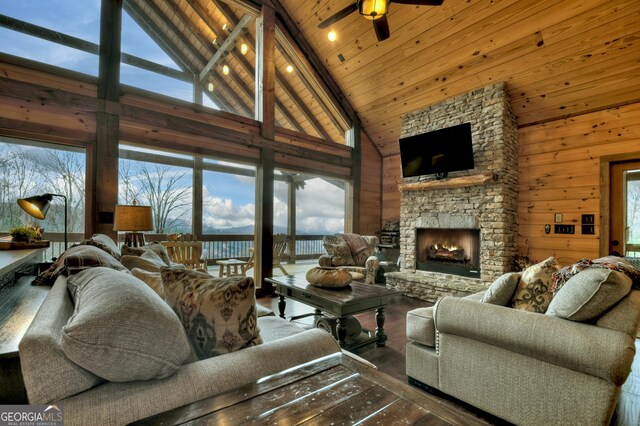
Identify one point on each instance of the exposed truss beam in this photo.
(226, 45)
(230, 16)
(281, 80)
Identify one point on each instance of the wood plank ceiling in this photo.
(558, 57)
(186, 30)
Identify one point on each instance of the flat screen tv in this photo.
(437, 152)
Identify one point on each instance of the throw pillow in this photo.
(589, 294)
(533, 292)
(502, 289)
(148, 260)
(108, 243)
(120, 329)
(155, 247)
(218, 314)
(152, 279)
(340, 253)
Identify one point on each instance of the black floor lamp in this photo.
(38, 206)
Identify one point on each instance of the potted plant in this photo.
(25, 234)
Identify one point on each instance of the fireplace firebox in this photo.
(448, 251)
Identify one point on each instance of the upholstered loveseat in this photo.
(527, 368)
(351, 252)
(161, 373)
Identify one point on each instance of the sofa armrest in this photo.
(121, 403)
(325, 261)
(577, 346)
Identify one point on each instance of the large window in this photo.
(161, 184)
(27, 27)
(28, 168)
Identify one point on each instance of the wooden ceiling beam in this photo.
(186, 45)
(234, 51)
(226, 45)
(281, 80)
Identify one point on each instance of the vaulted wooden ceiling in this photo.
(557, 57)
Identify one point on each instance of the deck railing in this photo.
(218, 246)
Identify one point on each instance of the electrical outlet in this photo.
(565, 229)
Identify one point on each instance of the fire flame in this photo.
(447, 246)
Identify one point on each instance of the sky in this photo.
(229, 199)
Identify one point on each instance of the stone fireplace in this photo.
(473, 213)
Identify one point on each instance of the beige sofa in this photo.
(524, 367)
(159, 373)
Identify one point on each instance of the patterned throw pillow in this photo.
(340, 253)
(218, 314)
(533, 292)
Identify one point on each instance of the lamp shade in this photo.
(37, 206)
(133, 218)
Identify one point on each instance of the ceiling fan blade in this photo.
(381, 26)
(419, 2)
(338, 16)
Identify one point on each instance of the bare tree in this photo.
(633, 211)
(166, 190)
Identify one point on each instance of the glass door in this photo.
(625, 209)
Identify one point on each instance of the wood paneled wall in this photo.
(371, 188)
(558, 172)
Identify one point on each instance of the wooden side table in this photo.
(235, 263)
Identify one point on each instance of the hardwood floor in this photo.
(389, 359)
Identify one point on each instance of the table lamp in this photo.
(133, 219)
(38, 206)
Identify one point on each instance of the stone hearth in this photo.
(490, 206)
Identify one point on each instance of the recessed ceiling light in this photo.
(225, 69)
(244, 48)
(332, 36)
(289, 69)
(210, 87)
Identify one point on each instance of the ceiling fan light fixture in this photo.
(373, 9)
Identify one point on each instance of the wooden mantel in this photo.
(456, 182)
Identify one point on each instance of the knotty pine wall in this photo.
(371, 188)
(558, 172)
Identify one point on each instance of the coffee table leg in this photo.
(380, 334)
(281, 306)
(341, 330)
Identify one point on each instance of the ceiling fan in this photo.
(376, 11)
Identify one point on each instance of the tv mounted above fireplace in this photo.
(437, 152)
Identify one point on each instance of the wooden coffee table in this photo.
(333, 390)
(339, 303)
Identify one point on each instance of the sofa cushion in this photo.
(120, 329)
(148, 260)
(155, 247)
(623, 316)
(589, 294)
(420, 326)
(218, 314)
(107, 242)
(49, 375)
(152, 279)
(502, 289)
(533, 292)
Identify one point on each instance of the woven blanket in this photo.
(609, 262)
(355, 242)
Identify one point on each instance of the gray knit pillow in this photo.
(121, 330)
(589, 294)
